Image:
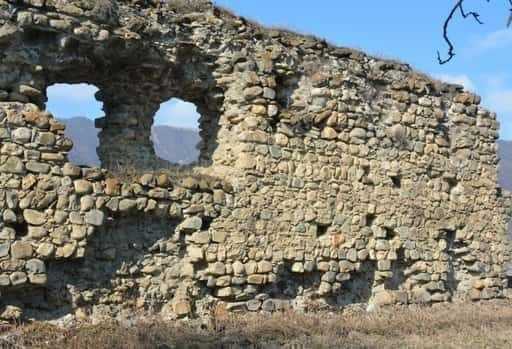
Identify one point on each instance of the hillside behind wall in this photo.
(326, 177)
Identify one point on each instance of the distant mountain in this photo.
(174, 144)
(177, 145)
(85, 140)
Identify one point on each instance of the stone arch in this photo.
(131, 94)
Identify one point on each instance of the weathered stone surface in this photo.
(21, 250)
(11, 313)
(22, 135)
(45, 249)
(264, 267)
(82, 186)
(127, 205)
(4, 249)
(324, 174)
(256, 279)
(13, 165)
(18, 278)
(78, 232)
(34, 217)
(71, 170)
(94, 217)
(37, 167)
(191, 224)
(9, 216)
(35, 266)
(182, 307)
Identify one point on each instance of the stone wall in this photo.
(327, 177)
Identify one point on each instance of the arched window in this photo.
(75, 106)
(175, 132)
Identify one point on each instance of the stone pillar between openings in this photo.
(125, 136)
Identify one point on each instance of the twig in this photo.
(509, 22)
(451, 49)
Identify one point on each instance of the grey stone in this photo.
(22, 135)
(264, 267)
(78, 232)
(21, 250)
(127, 205)
(13, 165)
(71, 170)
(37, 167)
(18, 278)
(218, 268)
(82, 186)
(35, 266)
(46, 138)
(268, 305)
(358, 133)
(191, 224)
(253, 305)
(34, 217)
(4, 249)
(9, 216)
(95, 217)
(37, 232)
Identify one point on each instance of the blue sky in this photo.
(407, 30)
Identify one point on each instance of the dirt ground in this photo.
(483, 325)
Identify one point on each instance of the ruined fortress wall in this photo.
(326, 176)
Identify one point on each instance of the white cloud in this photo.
(498, 39)
(498, 98)
(495, 82)
(72, 92)
(177, 113)
(501, 101)
(460, 79)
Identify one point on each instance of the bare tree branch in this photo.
(509, 22)
(459, 5)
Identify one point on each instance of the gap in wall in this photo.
(175, 132)
(76, 107)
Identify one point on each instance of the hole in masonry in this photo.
(370, 218)
(75, 106)
(21, 228)
(390, 233)
(33, 36)
(321, 230)
(397, 183)
(207, 221)
(175, 132)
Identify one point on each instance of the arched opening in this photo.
(76, 106)
(121, 125)
(175, 132)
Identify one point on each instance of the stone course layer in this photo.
(326, 177)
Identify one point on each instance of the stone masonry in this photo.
(326, 177)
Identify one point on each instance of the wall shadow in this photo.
(128, 258)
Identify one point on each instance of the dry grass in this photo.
(185, 6)
(176, 174)
(132, 174)
(486, 325)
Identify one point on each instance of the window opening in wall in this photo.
(75, 106)
(175, 132)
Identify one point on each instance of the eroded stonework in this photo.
(326, 176)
